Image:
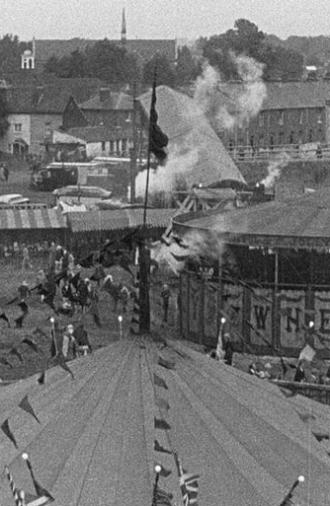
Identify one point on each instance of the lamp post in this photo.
(288, 496)
(52, 333)
(120, 321)
(158, 469)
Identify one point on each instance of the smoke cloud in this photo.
(227, 108)
(274, 169)
(167, 178)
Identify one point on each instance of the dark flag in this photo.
(161, 424)
(5, 428)
(160, 448)
(31, 343)
(157, 139)
(42, 378)
(159, 382)
(161, 403)
(26, 406)
(188, 484)
(166, 363)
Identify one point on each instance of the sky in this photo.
(152, 19)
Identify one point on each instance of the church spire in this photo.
(123, 27)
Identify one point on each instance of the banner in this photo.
(292, 318)
(261, 316)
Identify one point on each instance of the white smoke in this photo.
(274, 169)
(228, 106)
(166, 178)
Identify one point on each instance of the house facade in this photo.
(292, 113)
(102, 141)
(36, 110)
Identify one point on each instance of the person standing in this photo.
(165, 295)
(68, 343)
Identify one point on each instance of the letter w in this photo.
(261, 313)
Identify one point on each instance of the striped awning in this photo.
(16, 219)
(119, 219)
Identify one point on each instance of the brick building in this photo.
(292, 113)
(36, 110)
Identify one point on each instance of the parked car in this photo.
(13, 199)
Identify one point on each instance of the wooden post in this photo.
(276, 327)
(144, 263)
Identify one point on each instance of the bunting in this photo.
(161, 403)
(42, 378)
(32, 344)
(161, 424)
(159, 382)
(26, 406)
(159, 448)
(6, 429)
(166, 363)
(162, 498)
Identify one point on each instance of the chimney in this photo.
(104, 94)
(123, 27)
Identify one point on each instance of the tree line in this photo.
(112, 63)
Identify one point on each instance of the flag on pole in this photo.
(26, 406)
(17, 494)
(41, 492)
(157, 139)
(6, 429)
(188, 484)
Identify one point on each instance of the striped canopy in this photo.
(95, 441)
(16, 219)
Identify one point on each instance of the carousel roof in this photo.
(198, 152)
(303, 222)
(95, 440)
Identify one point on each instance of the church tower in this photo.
(123, 28)
(28, 57)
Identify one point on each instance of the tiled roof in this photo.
(96, 133)
(119, 219)
(191, 136)
(286, 95)
(14, 219)
(301, 222)
(143, 48)
(116, 101)
(95, 440)
(50, 98)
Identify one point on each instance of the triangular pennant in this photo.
(135, 320)
(4, 317)
(26, 406)
(161, 403)
(6, 429)
(307, 353)
(4, 361)
(166, 363)
(42, 378)
(159, 448)
(161, 424)
(159, 382)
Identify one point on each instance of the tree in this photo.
(187, 69)
(165, 71)
(4, 125)
(10, 53)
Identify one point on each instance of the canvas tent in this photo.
(95, 441)
(192, 140)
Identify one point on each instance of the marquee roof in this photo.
(17, 219)
(95, 441)
(303, 222)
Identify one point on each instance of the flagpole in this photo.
(144, 253)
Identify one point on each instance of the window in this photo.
(112, 146)
(124, 145)
(319, 116)
(18, 127)
(301, 117)
(281, 118)
(281, 138)
(103, 146)
(291, 137)
(310, 136)
(261, 119)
